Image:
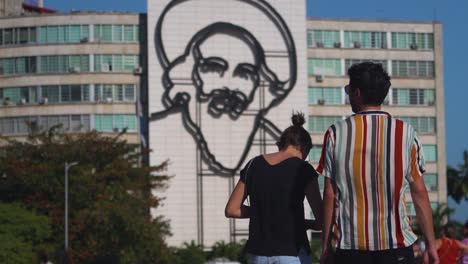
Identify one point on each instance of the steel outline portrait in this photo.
(224, 101)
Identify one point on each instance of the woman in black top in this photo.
(276, 184)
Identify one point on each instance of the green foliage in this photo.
(189, 253)
(109, 194)
(232, 251)
(457, 180)
(22, 234)
(316, 247)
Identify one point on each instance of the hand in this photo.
(430, 256)
(326, 256)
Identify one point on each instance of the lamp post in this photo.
(67, 167)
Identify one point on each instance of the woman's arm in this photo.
(234, 207)
(463, 247)
(314, 198)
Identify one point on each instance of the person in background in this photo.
(464, 259)
(276, 184)
(448, 248)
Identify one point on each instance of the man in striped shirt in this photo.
(369, 159)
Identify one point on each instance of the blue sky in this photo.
(452, 14)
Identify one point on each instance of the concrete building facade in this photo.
(82, 69)
(224, 78)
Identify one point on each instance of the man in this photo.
(368, 160)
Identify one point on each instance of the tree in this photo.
(457, 180)
(22, 234)
(109, 194)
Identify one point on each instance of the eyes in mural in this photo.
(214, 65)
(246, 71)
(219, 66)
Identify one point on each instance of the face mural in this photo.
(208, 86)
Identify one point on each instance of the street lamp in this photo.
(67, 167)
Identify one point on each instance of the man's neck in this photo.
(370, 108)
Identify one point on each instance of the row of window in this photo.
(69, 123)
(429, 153)
(68, 93)
(69, 34)
(400, 68)
(430, 180)
(369, 39)
(422, 124)
(400, 96)
(68, 63)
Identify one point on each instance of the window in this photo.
(331, 67)
(421, 124)
(315, 153)
(114, 92)
(322, 123)
(325, 95)
(51, 93)
(64, 63)
(403, 96)
(430, 179)
(63, 34)
(115, 63)
(323, 38)
(350, 62)
(23, 124)
(116, 33)
(413, 68)
(408, 40)
(129, 92)
(17, 36)
(115, 123)
(430, 153)
(17, 65)
(364, 39)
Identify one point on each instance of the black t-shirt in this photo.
(276, 194)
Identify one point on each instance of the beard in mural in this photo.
(223, 86)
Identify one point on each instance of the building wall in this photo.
(10, 7)
(89, 47)
(195, 200)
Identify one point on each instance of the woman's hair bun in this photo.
(298, 119)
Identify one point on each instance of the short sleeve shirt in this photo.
(371, 157)
(277, 195)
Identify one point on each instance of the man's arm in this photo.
(424, 216)
(328, 208)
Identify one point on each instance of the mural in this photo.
(200, 82)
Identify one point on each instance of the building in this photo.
(224, 78)
(81, 69)
(411, 52)
(209, 85)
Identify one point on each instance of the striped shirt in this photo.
(372, 158)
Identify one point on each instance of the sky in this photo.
(453, 14)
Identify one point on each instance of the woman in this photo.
(276, 184)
